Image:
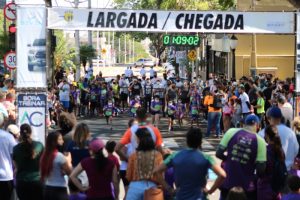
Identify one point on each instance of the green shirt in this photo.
(27, 169)
(261, 102)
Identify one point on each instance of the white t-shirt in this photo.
(289, 143)
(152, 72)
(56, 178)
(244, 98)
(7, 143)
(70, 78)
(179, 84)
(287, 112)
(3, 110)
(130, 73)
(64, 92)
(123, 86)
(127, 72)
(143, 72)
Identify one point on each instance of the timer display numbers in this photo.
(181, 40)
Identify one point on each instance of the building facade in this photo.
(265, 53)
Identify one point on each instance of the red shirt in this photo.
(115, 160)
(99, 181)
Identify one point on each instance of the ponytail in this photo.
(25, 132)
(275, 142)
(101, 160)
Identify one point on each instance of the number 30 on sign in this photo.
(10, 60)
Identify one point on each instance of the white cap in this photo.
(13, 129)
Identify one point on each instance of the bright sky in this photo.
(83, 3)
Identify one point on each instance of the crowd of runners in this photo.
(253, 117)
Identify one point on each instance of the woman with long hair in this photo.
(54, 165)
(141, 165)
(101, 172)
(265, 191)
(26, 157)
(78, 147)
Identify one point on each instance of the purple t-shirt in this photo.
(78, 196)
(99, 181)
(291, 197)
(244, 149)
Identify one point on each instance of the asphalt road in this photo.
(174, 140)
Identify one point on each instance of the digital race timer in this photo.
(181, 40)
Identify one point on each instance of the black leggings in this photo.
(6, 189)
(29, 190)
(57, 193)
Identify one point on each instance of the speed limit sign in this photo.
(10, 60)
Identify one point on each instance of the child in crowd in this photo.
(294, 185)
(171, 110)
(155, 110)
(74, 192)
(94, 96)
(109, 110)
(180, 111)
(195, 105)
(237, 113)
(227, 114)
(169, 178)
(134, 105)
(123, 167)
(110, 148)
(103, 97)
(75, 93)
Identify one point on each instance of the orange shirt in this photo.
(126, 139)
(209, 100)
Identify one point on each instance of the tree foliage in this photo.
(63, 57)
(86, 52)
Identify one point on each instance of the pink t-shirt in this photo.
(99, 181)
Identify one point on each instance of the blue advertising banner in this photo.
(32, 111)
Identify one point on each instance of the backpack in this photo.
(217, 102)
(279, 175)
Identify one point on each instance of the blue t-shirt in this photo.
(78, 196)
(190, 169)
(77, 153)
(291, 196)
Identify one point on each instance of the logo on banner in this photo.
(32, 119)
(68, 16)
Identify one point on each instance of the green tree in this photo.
(86, 52)
(4, 47)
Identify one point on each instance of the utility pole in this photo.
(125, 50)
(77, 48)
(119, 50)
(90, 36)
(49, 50)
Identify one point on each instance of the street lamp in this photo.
(233, 44)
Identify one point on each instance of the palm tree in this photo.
(86, 52)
